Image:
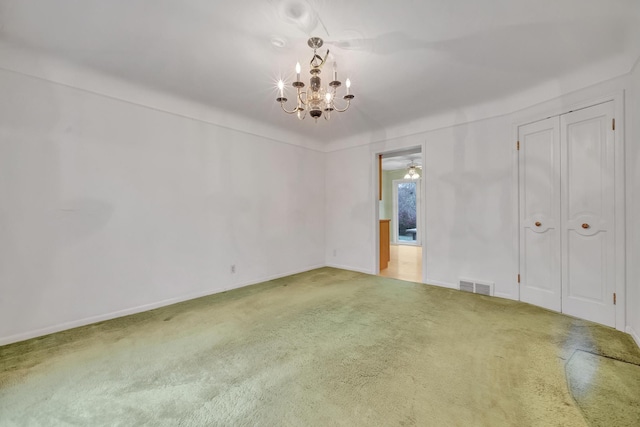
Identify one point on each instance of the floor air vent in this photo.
(476, 287)
(467, 286)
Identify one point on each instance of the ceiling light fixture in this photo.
(412, 172)
(317, 100)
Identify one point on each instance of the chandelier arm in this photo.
(295, 110)
(342, 110)
(303, 101)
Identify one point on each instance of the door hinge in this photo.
(613, 124)
(614, 298)
(518, 277)
(518, 145)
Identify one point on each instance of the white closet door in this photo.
(588, 196)
(540, 276)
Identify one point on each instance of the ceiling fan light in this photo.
(412, 172)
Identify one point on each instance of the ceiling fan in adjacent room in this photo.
(412, 171)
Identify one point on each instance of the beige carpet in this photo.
(327, 347)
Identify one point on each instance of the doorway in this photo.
(400, 212)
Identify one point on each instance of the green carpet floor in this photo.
(327, 347)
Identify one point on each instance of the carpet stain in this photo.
(325, 347)
(596, 382)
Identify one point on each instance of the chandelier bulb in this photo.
(281, 87)
(297, 71)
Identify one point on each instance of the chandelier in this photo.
(412, 172)
(316, 99)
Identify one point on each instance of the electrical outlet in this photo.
(233, 268)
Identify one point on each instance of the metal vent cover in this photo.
(476, 286)
(483, 289)
(466, 286)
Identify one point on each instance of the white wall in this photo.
(467, 175)
(107, 207)
(633, 204)
(351, 202)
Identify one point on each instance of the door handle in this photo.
(585, 226)
(538, 223)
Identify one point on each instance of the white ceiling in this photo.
(406, 59)
(401, 159)
(401, 162)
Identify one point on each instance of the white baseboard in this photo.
(346, 267)
(441, 284)
(505, 296)
(455, 286)
(634, 334)
(141, 308)
(267, 278)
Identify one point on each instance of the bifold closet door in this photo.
(540, 258)
(567, 213)
(587, 209)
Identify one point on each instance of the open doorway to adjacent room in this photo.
(400, 213)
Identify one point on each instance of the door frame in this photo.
(617, 98)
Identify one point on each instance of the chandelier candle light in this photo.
(316, 99)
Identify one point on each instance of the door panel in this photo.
(586, 168)
(540, 213)
(582, 283)
(588, 246)
(540, 248)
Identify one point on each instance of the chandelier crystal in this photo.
(317, 100)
